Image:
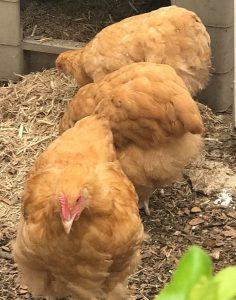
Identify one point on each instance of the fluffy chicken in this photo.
(80, 230)
(170, 35)
(156, 124)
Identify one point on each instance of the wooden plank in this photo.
(47, 45)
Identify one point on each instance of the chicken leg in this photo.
(145, 205)
(143, 194)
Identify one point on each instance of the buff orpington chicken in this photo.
(156, 125)
(80, 231)
(170, 35)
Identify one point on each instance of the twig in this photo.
(132, 6)
(34, 30)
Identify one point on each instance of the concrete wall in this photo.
(218, 17)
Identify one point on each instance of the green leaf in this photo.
(194, 265)
(204, 289)
(226, 281)
(220, 287)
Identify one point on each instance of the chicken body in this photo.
(95, 258)
(170, 35)
(156, 124)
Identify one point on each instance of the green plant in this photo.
(193, 280)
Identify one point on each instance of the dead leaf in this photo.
(196, 209)
(215, 254)
(209, 243)
(229, 233)
(196, 221)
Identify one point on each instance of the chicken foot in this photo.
(145, 205)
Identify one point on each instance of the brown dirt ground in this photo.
(182, 214)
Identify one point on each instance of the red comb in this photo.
(64, 206)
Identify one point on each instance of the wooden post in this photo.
(11, 54)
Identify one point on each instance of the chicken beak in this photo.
(67, 225)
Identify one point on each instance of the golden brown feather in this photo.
(156, 124)
(102, 248)
(169, 35)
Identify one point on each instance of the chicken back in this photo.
(170, 35)
(156, 124)
(80, 230)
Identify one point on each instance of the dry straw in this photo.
(29, 114)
